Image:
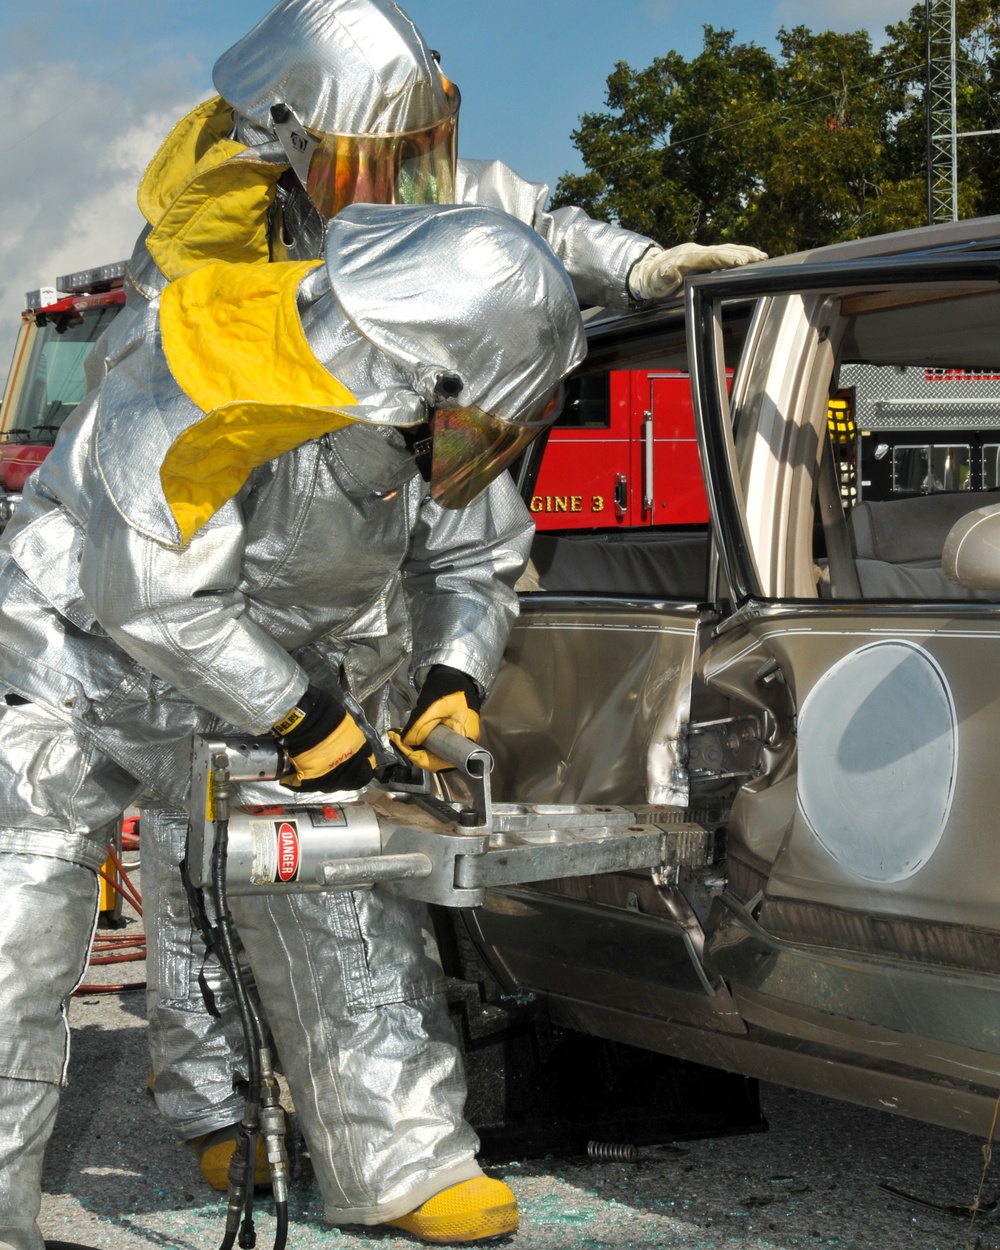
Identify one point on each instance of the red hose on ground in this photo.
(117, 948)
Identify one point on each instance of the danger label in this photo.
(288, 850)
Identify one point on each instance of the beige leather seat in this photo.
(899, 543)
(971, 555)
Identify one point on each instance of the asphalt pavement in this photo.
(116, 1179)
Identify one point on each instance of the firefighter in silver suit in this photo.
(331, 102)
(324, 103)
(269, 540)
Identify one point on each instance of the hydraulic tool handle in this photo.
(353, 874)
(461, 752)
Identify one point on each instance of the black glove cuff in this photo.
(320, 717)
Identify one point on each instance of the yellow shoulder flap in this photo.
(203, 203)
(235, 346)
(191, 138)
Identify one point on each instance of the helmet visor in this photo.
(471, 448)
(403, 167)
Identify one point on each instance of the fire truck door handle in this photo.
(621, 494)
(647, 462)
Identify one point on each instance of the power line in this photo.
(763, 116)
(827, 95)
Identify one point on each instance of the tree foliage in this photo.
(823, 141)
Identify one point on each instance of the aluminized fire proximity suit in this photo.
(222, 187)
(232, 516)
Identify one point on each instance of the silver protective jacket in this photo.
(307, 572)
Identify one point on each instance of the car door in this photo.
(592, 706)
(862, 909)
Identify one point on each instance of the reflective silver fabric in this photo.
(597, 256)
(27, 1114)
(501, 315)
(344, 66)
(352, 986)
(42, 965)
(194, 1054)
(95, 601)
(60, 796)
(125, 642)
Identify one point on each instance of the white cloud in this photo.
(842, 15)
(660, 11)
(71, 169)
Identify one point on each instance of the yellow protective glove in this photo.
(658, 273)
(325, 745)
(448, 698)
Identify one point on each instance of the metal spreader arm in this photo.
(449, 854)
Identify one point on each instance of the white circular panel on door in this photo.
(877, 748)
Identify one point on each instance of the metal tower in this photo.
(942, 137)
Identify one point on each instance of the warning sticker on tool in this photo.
(331, 815)
(288, 850)
(276, 853)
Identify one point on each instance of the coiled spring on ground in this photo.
(612, 1152)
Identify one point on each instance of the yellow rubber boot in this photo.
(475, 1210)
(214, 1150)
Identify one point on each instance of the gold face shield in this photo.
(471, 447)
(401, 167)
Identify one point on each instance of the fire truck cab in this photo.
(59, 327)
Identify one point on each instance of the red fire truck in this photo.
(59, 327)
(623, 455)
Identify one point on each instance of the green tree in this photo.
(649, 167)
(826, 140)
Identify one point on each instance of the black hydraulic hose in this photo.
(262, 1100)
(244, 1157)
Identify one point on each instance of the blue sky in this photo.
(89, 88)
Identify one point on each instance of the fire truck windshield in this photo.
(54, 379)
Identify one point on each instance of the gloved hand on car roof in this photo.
(660, 272)
(325, 745)
(447, 697)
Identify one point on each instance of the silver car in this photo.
(808, 693)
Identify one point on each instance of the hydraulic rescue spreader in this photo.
(398, 835)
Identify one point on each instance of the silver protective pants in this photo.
(351, 986)
(60, 799)
(350, 982)
(46, 927)
(194, 1053)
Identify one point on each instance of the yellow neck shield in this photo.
(235, 346)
